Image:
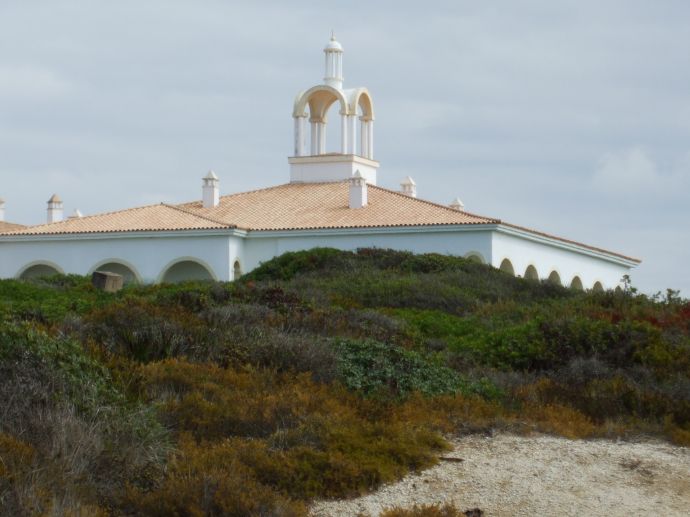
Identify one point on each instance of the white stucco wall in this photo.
(148, 254)
(151, 254)
(566, 260)
(459, 240)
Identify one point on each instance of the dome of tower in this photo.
(333, 45)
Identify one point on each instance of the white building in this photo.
(331, 200)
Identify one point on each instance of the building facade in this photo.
(331, 200)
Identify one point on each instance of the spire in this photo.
(334, 63)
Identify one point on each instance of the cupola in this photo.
(311, 161)
(55, 212)
(334, 63)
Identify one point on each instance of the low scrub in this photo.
(320, 374)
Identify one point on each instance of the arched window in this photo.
(576, 284)
(236, 270)
(507, 267)
(531, 273)
(39, 270)
(597, 287)
(185, 271)
(555, 278)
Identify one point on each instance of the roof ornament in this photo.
(456, 204)
(210, 190)
(408, 187)
(55, 213)
(358, 190)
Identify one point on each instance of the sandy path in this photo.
(510, 475)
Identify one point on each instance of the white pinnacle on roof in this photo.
(210, 191)
(54, 209)
(408, 187)
(456, 204)
(358, 191)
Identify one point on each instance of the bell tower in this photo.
(310, 162)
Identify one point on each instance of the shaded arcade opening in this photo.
(576, 284)
(531, 273)
(39, 271)
(554, 278)
(185, 271)
(128, 275)
(507, 267)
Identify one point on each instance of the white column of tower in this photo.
(343, 133)
(314, 138)
(352, 134)
(370, 139)
(364, 144)
(303, 133)
(322, 137)
(298, 136)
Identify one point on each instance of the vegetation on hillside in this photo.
(320, 374)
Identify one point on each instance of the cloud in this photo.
(33, 83)
(626, 171)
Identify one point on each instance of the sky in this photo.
(569, 117)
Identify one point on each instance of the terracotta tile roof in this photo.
(148, 218)
(8, 227)
(300, 206)
(292, 206)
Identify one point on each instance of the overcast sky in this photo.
(570, 117)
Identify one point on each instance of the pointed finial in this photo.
(332, 35)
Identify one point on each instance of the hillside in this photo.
(320, 374)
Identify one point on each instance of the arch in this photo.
(576, 284)
(38, 269)
(186, 269)
(554, 278)
(319, 98)
(120, 267)
(531, 273)
(236, 270)
(598, 287)
(475, 256)
(362, 98)
(507, 267)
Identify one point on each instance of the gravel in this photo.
(507, 475)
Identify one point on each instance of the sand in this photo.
(507, 475)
